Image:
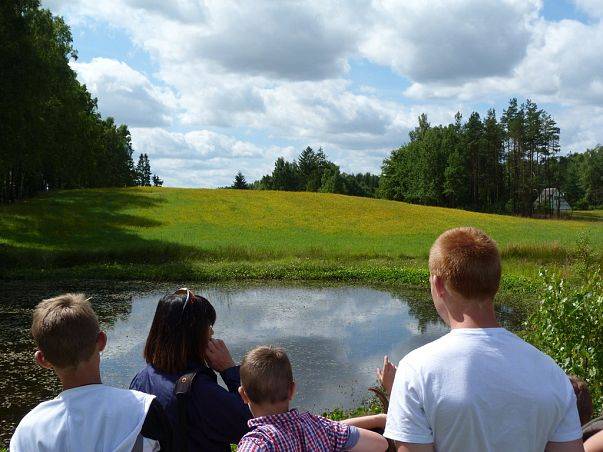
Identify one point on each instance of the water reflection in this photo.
(335, 336)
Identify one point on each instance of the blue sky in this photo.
(211, 87)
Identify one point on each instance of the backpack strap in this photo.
(182, 391)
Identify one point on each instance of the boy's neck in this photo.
(268, 409)
(85, 374)
(474, 314)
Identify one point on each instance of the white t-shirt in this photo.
(481, 390)
(88, 418)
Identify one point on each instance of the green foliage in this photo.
(143, 171)
(239, 182)
(313, 172)
(371, 406)
(490, 165)
(157, 181)
(332, 180)
(51, 134)
(568, 325)
(284, 176)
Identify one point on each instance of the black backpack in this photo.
(182, 391)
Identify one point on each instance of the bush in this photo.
(568, 326)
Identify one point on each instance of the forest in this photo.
(492, 165)
(483, 164)
(311, 171)
(51, 133)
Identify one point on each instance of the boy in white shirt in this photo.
(479, 388)
(87, 415)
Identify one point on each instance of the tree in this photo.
(285, 175)
(592, 176)
(312, 171)
(489, 165)
(143, 171)
(157, 182)
(332, 180)
(51, 134)
(239, 182)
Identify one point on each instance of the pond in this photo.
(335, 336)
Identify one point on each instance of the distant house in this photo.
(552, 200)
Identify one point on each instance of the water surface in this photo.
(335, 336)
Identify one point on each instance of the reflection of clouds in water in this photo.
(335, 337)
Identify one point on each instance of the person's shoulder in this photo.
(527, 349)
(204, 378)
(314, 417)
(324, 422)
(426, 353)
(142, 377)
(43, 417)
(42, 410)
(123, 397)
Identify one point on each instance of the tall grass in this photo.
(182, 229)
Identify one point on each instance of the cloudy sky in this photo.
(211, 87)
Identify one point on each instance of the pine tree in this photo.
(139, 171)
(146, 171)
(239, 182)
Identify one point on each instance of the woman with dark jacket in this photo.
(180, 341)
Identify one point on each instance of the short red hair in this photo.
(468, 260)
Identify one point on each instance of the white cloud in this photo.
(593, 8)
(125, 93)
(280, 69)
(450, 40)
(581, 127)
(186, 11)
(287, 40)
(203, 157)
(563, 64)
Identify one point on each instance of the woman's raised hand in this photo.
(217, 355)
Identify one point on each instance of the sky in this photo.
(209, 88)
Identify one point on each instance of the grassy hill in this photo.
(150, 233)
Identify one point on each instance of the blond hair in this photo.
(468, 260)
(65, 329)
(266, 375)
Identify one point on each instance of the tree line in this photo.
(492, 165)
(486, 164)
(51, 133)
(312, 171)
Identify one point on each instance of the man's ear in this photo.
(440, 286)
(41, 360)
(243, 395)
(101, 341)
(292, 390)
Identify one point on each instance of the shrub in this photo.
(568, 326)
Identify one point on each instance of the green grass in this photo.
(193, 234)
(588, 215)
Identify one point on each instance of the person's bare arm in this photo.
(414, 447)
(370, 442)
(569, 446)
(594, 443)
(367, 422)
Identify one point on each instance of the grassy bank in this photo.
(200, 235)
